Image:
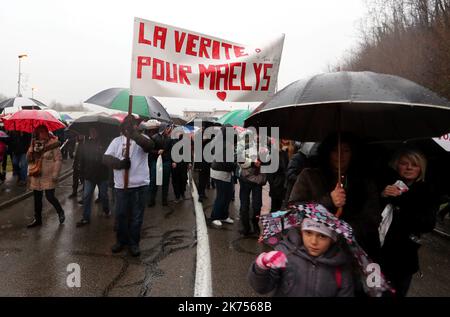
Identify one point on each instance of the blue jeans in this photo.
(20, 161)
(89, 187)
(130, 204)
(224, 193)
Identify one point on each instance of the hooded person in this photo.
(308, 264)
(45, 161)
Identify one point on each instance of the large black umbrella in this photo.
(106, 126)
(370, 105)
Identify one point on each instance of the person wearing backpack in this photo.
(309, 264)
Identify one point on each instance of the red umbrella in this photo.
(28, 120)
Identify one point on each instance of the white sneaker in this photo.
(228, 220)
(217, 223)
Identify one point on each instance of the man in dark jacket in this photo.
(164, 148)
(297, 163)
(76, 176)
(201, 171)
(94, 173)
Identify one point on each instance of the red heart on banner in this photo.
(222, 95)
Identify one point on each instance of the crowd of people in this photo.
(339, 177)
(336, 175)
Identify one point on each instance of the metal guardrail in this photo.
(12, 201)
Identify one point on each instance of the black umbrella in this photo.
(206, 122)
(370, 105)
(367, 104)
(177, 120)
(106, 126)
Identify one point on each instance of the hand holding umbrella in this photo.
(338, 197)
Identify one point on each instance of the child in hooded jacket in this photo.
(311, 264)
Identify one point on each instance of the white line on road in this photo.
(203, 284)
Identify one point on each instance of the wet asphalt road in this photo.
(33, 262)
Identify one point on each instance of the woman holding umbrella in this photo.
(45, 159)
(358, 196)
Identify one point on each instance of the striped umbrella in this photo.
(118, 99)
(22, 103)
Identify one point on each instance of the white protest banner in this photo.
(444, 141)
(172, 62)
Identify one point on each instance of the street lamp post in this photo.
(19, 94)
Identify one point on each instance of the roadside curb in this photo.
(29, 193)
(203, 280)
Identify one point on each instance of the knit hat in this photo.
(151, 124)
(312, 225)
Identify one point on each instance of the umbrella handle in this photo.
(340, 210)
(127, 149)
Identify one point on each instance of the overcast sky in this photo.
(78, 48)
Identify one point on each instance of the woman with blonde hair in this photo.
(45, 159)
(414, 208)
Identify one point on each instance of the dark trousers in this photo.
(89, 187)
(401, 284)
(5, 162)
(166, 179)
(276, 203)
(50, 195)
(76, 179)
(224, 192)
(130, 205)
(201, 177)
(255, 190)
(21, 164)
(179, 179)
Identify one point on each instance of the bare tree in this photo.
(409, 38)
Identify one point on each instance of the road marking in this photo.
(203, 284)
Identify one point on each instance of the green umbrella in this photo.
(118, 98)
(235, 117)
